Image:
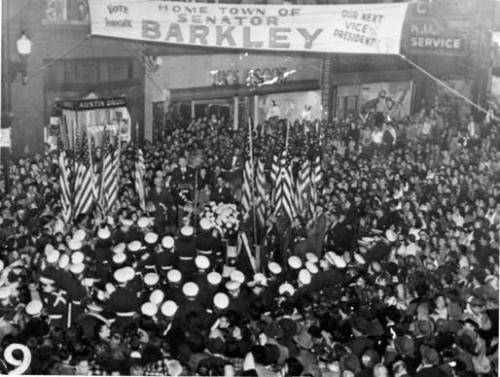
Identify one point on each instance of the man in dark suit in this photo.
(221, 193)
(233, 165)
(183, 180)
(183, 176)
(161, 196)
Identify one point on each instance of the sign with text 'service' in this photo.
(360, 28)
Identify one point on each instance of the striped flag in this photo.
(275, 164)
(246, 197)
(303, 184)
(64, 185)
(110, 174)
(285, 188)
(140, 171)
(260, 187)
(84, 185)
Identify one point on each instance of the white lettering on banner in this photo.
(436, 43)
(357, 28)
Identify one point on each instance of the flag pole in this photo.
(101, 192)
(252, 181)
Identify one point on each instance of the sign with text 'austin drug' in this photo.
(360, 28)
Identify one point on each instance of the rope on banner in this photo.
(46, 67)
(446, 86)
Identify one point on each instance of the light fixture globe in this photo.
(23, 45)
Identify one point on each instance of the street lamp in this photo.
(23, 45)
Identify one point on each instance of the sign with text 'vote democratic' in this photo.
(360, 28)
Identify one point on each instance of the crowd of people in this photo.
(396, 275)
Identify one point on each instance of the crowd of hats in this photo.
(416, 292)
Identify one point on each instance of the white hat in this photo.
(5, 292)
(338, 261)
(53, 256)
(143, 222)
(330, 257)
(174, 368)
(359, 258)
(149, 309)
(174, 276)
(130, 272)
(48, 248)
(286, 288)
(151, 238)
(312, 257)
(127, 223)
(187, 231)
(120, 248)
(295, 262)
(121, 275)
(167, 242)
(74, 244)
(390, 235)
(304, 276)
(94, 307)
(214, 278)
(190, 289)
(103, 233)
(221, 301)
(63, 261)
(258, 279)
(205, 224)
(119, 258)
(311, 267)
(238, 276)
(79, 235)
(151, 278)
(134, 246)
(232, 285)
(34, 307)
(2, 265)
(77, 268)
(202, 262)
(77, 257)
(274, 268)
(157, 296)
(169, 308)
(45, 281)
(110, 288)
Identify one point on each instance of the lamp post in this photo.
(10, 70)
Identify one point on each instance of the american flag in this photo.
(316, 172)
(279, 147)
(284, 186)
(84, 180)
(248, 176)
(260, 187)
(110, 174)
(303, 183)
(140, 170)
(64, 173)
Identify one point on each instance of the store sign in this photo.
(359, 28)
(429, 29)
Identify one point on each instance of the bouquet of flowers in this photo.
(223, 217)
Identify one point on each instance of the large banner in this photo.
(359, 28)
(92, 117)
(391, 98)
